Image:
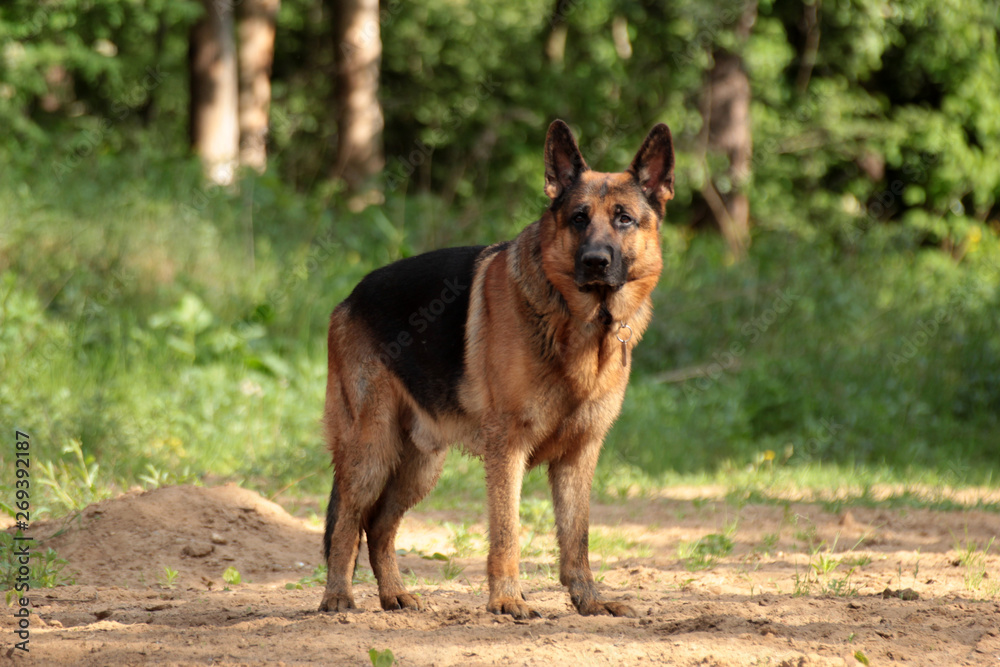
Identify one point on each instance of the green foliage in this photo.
(232, 576)
(168, 579)
(151, 348)
(705, 553)
(155, 326)
(73, 484)
(45, 567)
(383, 658)
(889, 119)
(974, 562)
(615, 543)
(92, 72)
(798, 350)
(317, 578)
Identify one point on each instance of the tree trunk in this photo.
(555, 42)
(729, 132)
(358, 43)
(213, 115)
(255, 26)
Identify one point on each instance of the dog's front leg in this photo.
(504, 473)
(570, 478)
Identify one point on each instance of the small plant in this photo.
(476, 589)
(73, 485)
(537, 517)
(683, 584)
(45, 571)
(858, 561)
(616, 542)
(802, 585)
(381, 658)
(824, 564)
(821, 567)
(452, 569)
(601, 571)
(841, 587)
(767, 543)
(232, 576)
(974, 562)
(155, 477)
(362, 575)
(705, 553)
(462, 538)
(317, 578)
(169, 578)
(536, 514)
(808, 536)
(411, 579)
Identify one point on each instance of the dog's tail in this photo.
(331, 520)
(331, 523)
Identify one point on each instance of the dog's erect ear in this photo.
(563, 161)
(653, 166)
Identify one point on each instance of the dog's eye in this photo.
(624, 219)
(579, 220)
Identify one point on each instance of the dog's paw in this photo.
(401, 601)
(598, 607)
(337, 602)
(514, 606)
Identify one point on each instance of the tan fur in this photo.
(543, 383)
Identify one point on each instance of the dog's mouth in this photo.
(600, 287)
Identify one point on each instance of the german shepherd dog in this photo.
(520, 351)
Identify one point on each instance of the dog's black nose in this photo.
(596, 260)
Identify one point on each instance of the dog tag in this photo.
(624, 342)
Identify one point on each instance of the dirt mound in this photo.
(199, 532)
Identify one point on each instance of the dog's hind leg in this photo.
(364, 459)
(416, 475)
(338, 553)
(356, 488)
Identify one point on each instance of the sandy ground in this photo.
(801, 586)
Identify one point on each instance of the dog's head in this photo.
(602, 230)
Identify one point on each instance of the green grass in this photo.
(972, 557)
(831, 575)
(317, 578)
(614, 543)
(45, 568)
(706, 552)
(143, 343)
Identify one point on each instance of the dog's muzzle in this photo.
(599, 267)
